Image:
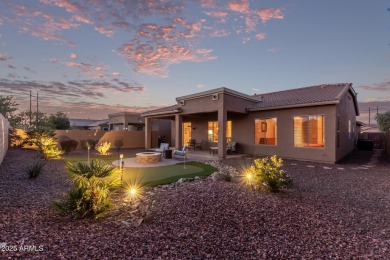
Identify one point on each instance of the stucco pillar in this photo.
(178, 131)
(148, 133)
(222, 118)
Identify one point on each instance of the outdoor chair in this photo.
(181, 153)
(192, 143)
(231, 148)
(163, 147)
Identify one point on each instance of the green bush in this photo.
(103, 148)
(34, 170)
(69, 145)
(266, 174)
(94, 182)
(45, 140)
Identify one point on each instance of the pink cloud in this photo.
(4, 57)
(53, 60)
(115, 74)
(261, 36)
(381, 86)
(10, 66)
(105, 31)
(270, 13)
(73, 56)
(239, 6)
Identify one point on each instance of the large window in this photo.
(265, 131)
(213, 131)
(309, 131)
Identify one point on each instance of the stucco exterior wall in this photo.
(4, 126)
(78, 135)
(346, 111)
(244, 133)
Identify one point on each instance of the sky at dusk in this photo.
(94, 57)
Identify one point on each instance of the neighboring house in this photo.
(127, 121)
(315, 123)
(81, 124)
(99, 125)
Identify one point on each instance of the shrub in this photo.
(95, 182)
(45, 140)
(69, 145)
(92, 143)
(103, 148)
(225, 172)
(266, 174)
(34, 170)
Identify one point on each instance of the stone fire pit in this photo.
(148, 157)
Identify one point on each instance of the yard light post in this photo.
(121, 163)
(88, 147)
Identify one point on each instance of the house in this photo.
(314, 123)
(128, 121)
(81, 124)
(99, 125)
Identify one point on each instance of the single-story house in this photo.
(81, 124)
(314, 123)
(128, 121)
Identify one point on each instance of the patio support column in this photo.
(222, 118)
(178, 131)
(148, 133)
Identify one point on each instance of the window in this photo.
(309, 131)
(213, 131)
(265, 131)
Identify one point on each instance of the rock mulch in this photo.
(329, 213)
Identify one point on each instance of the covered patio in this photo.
(208, 117)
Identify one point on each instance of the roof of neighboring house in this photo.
(124, 114)
(308, 96)
(99, 123)
(314, 95)
(81, 122)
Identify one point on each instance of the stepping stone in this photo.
(311, 166)
(327, 168)
(340, 168)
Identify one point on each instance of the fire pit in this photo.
(148, 157)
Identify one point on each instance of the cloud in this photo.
(382, 86)
(273, 50)
(70, 90)
(73, 56)
(239, 6)
(116, 74)
(10, 66)
(261, 36)
(3, 57)
(53, 60)
(200, 85)
(105, 31)
(270, 13)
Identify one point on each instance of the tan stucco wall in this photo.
(4, 126)
(79, 135)
(244, 131)
(346, 111)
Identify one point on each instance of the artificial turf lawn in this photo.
(153, 176)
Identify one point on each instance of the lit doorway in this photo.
(186, 132)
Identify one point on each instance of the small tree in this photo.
(7, 108)
(383, 121)
(60, 121)
(45, 140)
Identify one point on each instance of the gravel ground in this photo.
(337, 211)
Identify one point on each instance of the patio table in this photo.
(213, 150)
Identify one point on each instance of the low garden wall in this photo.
(4, 126)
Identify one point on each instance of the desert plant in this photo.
(95, 182)
(103, 148)
(34, 170)
(266, 174)
(69, 145)
(46, 142)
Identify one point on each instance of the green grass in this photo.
(153, 176)
(166, 174)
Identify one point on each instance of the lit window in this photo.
(213, 131)
(265, 131)
(309, 131)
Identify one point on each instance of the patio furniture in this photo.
(213, 150)
(163, 147)
(200, 145)
(192, 143)
(231, 148)
(168, 154)
(181, 153)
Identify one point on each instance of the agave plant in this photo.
(95, 182)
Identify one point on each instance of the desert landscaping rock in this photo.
(325, 215)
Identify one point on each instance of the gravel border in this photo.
(329, 213)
